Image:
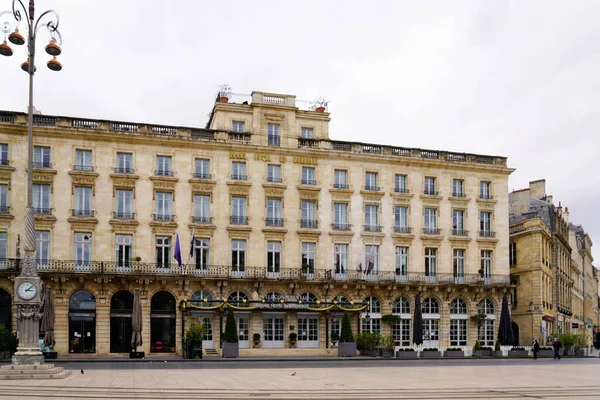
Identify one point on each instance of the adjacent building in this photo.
(280, 218)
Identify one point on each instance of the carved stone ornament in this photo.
(28, 311)
(308, 194)
(203, 188)
(123, 182)
(167, 185)
(341, 196)
(83, 180)
(244, 190)
(43, 178)
(273, 192)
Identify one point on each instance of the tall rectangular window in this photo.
(459, 265)
(41, 157)
(485, 223)
(124, 163)
(401, 261)
(372, 259)
(401, 219)
(273, 257)
(164, 206)
(401, 332)
(400, 184)
(485, 190)
(430, 262)
(83, 160)
(201, 254)
(238, 256)
(458, 332)
(340, 179)
(372, 218)
(201, 209)
(309, 251)
(486, 263)
(3, 246)
(238, 171)
(274, 134)
(202, 168)
(124, 250)
(124, 207)
(458, 222)
(309, 214)
(274, 212)
(83, 202)
(430, 187)
(458, 189)
(308, 176)
(340, 216)
(3, 154)
(430, 221)
(83, 248)
(42, 247)
(163, 252)
(371, 181)
(238, 126)
(3, 199)
(274, 173)
(307, 133)
(340, 258)
(41, 199)
(238, 211)
(164, 166)
(512, 254)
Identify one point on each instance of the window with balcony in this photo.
(238, 257)
(238, 126)
(340, 217)
(458, 188)
(274, 134)
(401, 219)
(41, 199)
(430, 262)
(485, 224)
(430, 221)
(124, 163)
(124, 204)
(430, 186)
(371, 181)
(458, 223)
(4, 210)
(123, 250)
(3, 154)
(201, 254)
(274, 173)
(309, 214)
(459, 265)
(42, 247)
(41, 157)
(340, 179)
(340, 259)
(486, 264)
(164, 166)
(202, 209)
(485, 190)
(512, 254)
(238, 171)
(309, 251)
(164, 206)
(308, 176)
(371, 260)
(202, 168)
(163, 251)
(401, 263)
(83, 248)
(400, 184)
(238, 211)
(372, 218)
(83, 160)
(83, 202)
(274, 213)
(273, 259)
(307, 133)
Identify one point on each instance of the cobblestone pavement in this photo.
(471, 379)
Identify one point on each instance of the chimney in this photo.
(538, 188)
(566, 215)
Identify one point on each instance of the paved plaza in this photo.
(376, 379)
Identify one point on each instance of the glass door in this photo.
(273, 332)
(308, 332)
(243, 326)
(120, 334)
(207, 343)
(82, 334)
(431, 333)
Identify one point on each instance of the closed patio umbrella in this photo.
(48, 318)
(136, 321)
(418, 323)
(505, 332)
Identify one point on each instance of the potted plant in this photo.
(454, 352)
(546, 351)
(137, 259)
(256, 339)
(497, 350)
(305, 270)
(334, 339)
(293, 338)
(567, 340)
(194, 337)
(319, 104)
(224, 93)
(368, 343)
(386, 343)
(478, 319)
(347, 344)
(231, 346)
(8, 342)
(518, 352)
(407, 354)
(580, 341)
(431, 352)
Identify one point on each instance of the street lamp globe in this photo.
(54, 65)
(16, 38)
(53, 49)
(5, 49)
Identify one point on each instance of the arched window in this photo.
(82, 300)
(308, 297)
(458, 306)
(237, 296)
(430, 306)
(162, 322)
(372, 324)
(82, 322)
(401, 306)
(122, 301)
(199, 296)
(486, 307)
(341, 300)
(374, 305)
(162, 302)
(273, 297)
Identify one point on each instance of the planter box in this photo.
(137, 354)
(482, 353)
(50, 355)
(347, 349)
(431, 354)
(387, 353)
(546, 353)
(407, 355)
(497, 353)
(231, 350)
(569, 352)
(454, 354)
(518, 353)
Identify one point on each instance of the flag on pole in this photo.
(371, 262)
(177, 252)
(191, 247)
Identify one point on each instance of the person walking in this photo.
(556, 345)
(535, 346)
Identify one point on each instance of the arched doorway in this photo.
(82, 322)
(121, 308)
(431, 322)
(203, 317)
(515, 329)
(5, 309)
(162, 323)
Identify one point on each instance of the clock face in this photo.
(27, 290)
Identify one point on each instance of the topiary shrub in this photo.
(195, 333)
(497, 347)
(346, 335)
(230, 335)
(477, 346)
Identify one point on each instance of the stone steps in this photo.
(41, 371)
(26, 367)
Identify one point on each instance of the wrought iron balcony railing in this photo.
(486, 196)
(340, 185)
(163, 172)
(4, 162)
(42, 211)
(275, 222)
(402, 229)
(309, 182)
(372, 228)
(460, 232)
(274, 140)
(431, 192)
(84, 168)
(123, 170)
(337, 226)
(489, 234)
(237, 220)
(202, 220)
(309, 224)
(123, 215)
(239, 177)
(459, 194)
(4, 210)
(42, 164)
(401, 190)
(431, 231)
(82, 213)
(274, 179)
(202, 175)
(163, 217)
(372, 188)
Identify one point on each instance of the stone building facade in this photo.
(273, 208)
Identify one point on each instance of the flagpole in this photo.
(191, 254)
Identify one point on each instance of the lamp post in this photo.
(28, 285)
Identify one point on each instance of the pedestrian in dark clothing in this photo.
(556, 345)
(535, 346)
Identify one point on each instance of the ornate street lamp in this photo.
(28, 285)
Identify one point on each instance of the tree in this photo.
(230, 335)
(478, 319)
(346, 335)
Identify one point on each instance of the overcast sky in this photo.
(512, 78)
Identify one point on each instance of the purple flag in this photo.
(177, 253)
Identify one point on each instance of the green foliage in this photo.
(407, 349)
(335, 337)
(477, 346)
(454, 349)
(346, 335)
(390, 319)
(580, 341)
(230, 335)
(8, 339)
(367, 341)
(431, 349)
(518, 348)
(497, 347)
(567, 340)
(386, 342)
(195, 333)
(486, 348)
(293, 337)
(256, 337)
